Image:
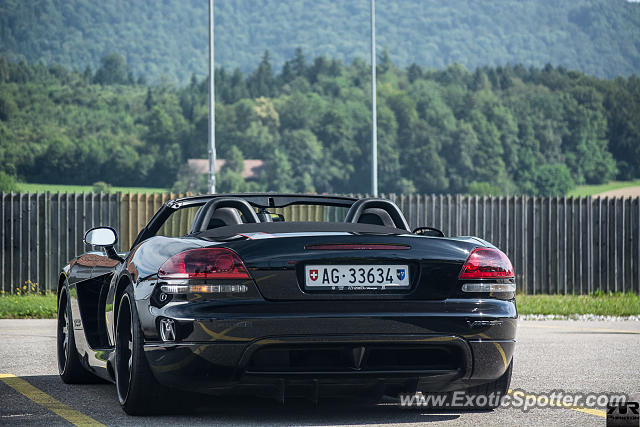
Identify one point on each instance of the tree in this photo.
(165, 38)
(299, 111)
(230, 179)
(299, 66)
(4, 70)
(87, 75)
(321, 66)
(586, 147)
(278, 173)
(162, 145)
(261, 80)
(303, 146)
(621, 104)
(238, 87)
(424, 163)
(446, 131)
(113, 70)
(287, 74)
(101, 187)
(8, 183)
(7, 106)
(384, 63)
(553, 180)
(335, 131)
(414, 72)
(189, 180)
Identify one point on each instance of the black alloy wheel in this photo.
(138, 391)
(124, 349)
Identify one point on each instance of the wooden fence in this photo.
(557, 245)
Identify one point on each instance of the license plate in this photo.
(356, 277)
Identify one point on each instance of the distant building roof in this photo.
(251, 168)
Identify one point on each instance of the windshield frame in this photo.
(256, 200)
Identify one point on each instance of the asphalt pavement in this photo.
(583, 357)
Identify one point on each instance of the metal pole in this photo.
(374, 120)
(212, 108)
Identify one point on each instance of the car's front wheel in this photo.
(138, 391)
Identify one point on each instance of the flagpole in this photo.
(212, 106)
(374, 120)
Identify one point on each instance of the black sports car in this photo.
(288, 295)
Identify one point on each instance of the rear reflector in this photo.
(204, 263)
(489, 287)
(357, 247)
(487, 263)
(203, 289)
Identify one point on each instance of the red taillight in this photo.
(487, 263)
(204, 263)
(357, 247)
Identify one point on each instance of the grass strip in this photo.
(28, 306)
(62, 188)
(601, 304)
(592, 190)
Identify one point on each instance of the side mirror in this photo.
(101, 237)
(428, 231)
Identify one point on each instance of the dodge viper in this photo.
(289, 296)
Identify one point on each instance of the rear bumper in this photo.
(429, 346)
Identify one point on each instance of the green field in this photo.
(28, 306)
(59, 188)
(591, 190)
(44, 306)
(619, 304)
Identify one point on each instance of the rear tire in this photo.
(485, 396)
(70, 367)
(499, 387)
(138, 391)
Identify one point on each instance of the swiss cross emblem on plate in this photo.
(313, 275)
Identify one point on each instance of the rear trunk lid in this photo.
(284, 260)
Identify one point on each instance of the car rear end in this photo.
(314, 313)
